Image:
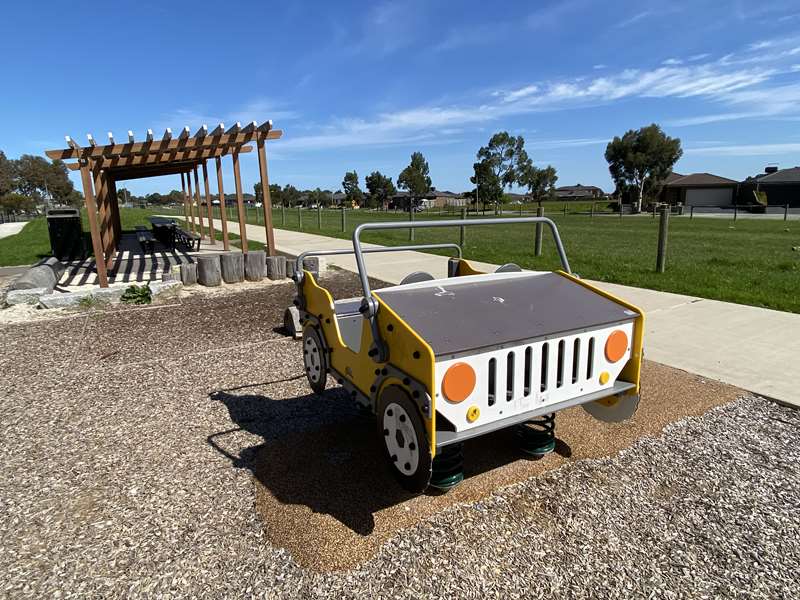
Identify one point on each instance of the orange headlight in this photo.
(458, 382)
(616, 345)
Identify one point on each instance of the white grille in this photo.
(517, 379)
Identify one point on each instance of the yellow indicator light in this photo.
(473, 412)
(604, 377)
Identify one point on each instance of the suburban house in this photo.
(699, 189)
(579, 192)
(781, 186)
(435, 199)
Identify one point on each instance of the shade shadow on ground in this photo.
(324, 493)
(333, 463)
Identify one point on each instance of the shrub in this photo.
(137, 294)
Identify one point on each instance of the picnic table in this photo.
(164, 230)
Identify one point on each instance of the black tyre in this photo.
(315, 360)
(404, 439)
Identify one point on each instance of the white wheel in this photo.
(314, 361)
(405, 442)
(400, 439)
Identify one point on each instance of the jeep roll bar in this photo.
(298, 267)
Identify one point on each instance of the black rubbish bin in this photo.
(66, 234)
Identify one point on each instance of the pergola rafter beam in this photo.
(175, 156)
(189, 143)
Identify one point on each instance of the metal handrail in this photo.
(299, 262)
(359, 251)
(369, 306)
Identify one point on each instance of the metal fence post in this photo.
(735, 211)
(300, 218)
(691, 212)
(785, 212)
(538, 241)
(592, 213)
(344, 220)
(663, 230)
(411, 216)
(565, 209)
(462, 228)
(319, 216)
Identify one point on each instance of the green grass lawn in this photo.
(750, 261)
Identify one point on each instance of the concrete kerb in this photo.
(159, 291)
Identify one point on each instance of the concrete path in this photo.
(753, 348)
(7, 229)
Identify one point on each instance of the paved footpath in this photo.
(753, 348)
(7, 229)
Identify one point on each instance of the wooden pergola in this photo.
(102, 166)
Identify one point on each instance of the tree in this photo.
(38, 178)
(540, 182)
(380, 188)
(506, 156)
(15, 203)
(352, 192)
(488, 188)
(7, 175)
(317, 197)
(415, 177)
(290, 195)
(642, 159)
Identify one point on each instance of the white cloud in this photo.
(761, 45)
(634, 19)
(256, 110)
(599, 67)
(746, 150)
(520, 93)
(672, 61)
(696, 57)
(733, 91)
(554, 14)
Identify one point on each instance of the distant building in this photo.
(579, 192)
(781, 186)
(699, 189)
(435, 199)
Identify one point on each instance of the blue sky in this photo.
(362, 85)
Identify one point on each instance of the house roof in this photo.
(672, 177)
(700, 180)
(579, 188)
(783, 176)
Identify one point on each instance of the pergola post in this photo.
(210, 213)
(265, 197)
(102, 208)
(189, 197)
(237, 179)
(197, 200)
(91, 211)
(185, 202)
(222, 212)
(116, 219)
(113, 216)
